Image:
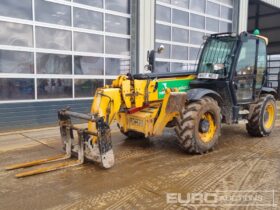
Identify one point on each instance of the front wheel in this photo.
(263, 116)
(199, 125)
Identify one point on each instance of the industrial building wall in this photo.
(56, 53)
(35, 115)
(181, 25)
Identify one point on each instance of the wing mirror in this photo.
(151, 56)
(160, 49)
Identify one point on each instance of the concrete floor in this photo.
(144, 173)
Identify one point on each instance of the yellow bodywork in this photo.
(149, 114)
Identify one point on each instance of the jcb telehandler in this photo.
(229, 86)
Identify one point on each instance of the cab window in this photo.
(247, 58)
(261, 63)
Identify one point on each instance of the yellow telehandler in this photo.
(230, 85)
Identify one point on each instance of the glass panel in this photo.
(261, 64)
(162, 67)
(88, 42)
(109, 81)
(198, 5)
(117, 46)
(217, 51)
(194, 53)
(181, 3)
(115, 66)
(16, 34)
(86, 87)
(179, 52)
(212, 25)
(16, 62)
(166, 51)
(244, 89)
(213, 9)
(53, 13)
(88, 19)
(163, 32)
(117, 24)
(16, 89)
(54, 88)
(246, 60)
(180, 35)
(177, 67)
(229, 2)
(196, 37)
(17, 9)
(180, 17)
(165, 1)
(53, 38)
(163, 13)
(94, 3)
(89, 65)
(118, 5)
(197, 21)
(192, 67)
(226, 13)
(225, 27)
(54, 64)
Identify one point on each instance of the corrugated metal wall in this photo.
(35, 115)
(243, 12)
(275, 3)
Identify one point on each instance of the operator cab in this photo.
(234, 67)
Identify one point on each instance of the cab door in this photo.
(244, 75)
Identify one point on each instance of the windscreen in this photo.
(216, 57)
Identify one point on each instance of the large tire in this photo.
(190, 128)
(263, 116)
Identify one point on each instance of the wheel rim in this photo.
(207, 127)
(269, 116)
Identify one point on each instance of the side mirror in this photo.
(151, 56)
(160, 49)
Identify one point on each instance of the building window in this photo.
(54, 63)
(50, 38)
(54, 88)
(61, 50)
(88, 19)
(16, 9)
(52, 13)
(86, 88)
(16, 34)
(16, 89)
(16, 62)
(180, 27)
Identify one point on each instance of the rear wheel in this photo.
(199, 125)
(262, 120)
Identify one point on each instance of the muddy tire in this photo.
(263, 116)
(199, 126)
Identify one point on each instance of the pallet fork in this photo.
(67, 136)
